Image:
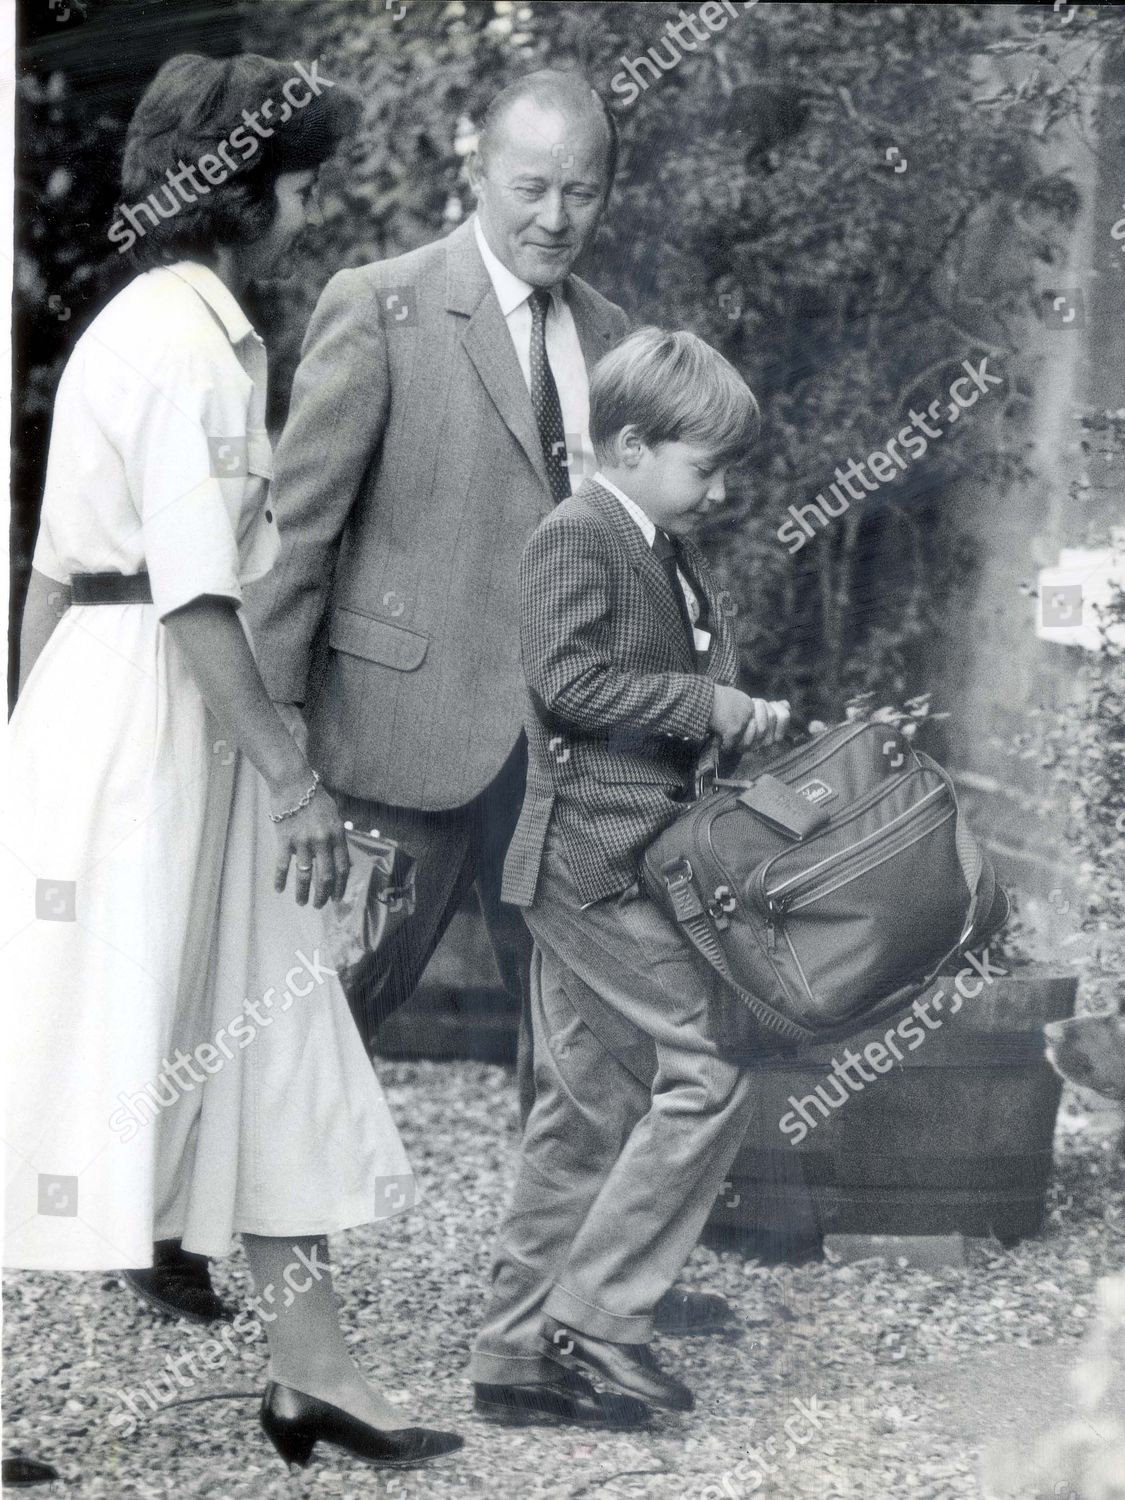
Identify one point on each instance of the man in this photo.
(438, 412)
(439, 399)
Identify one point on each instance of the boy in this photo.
(638, 1115)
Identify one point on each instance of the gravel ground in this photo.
(853, 1345)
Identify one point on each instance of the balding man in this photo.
(438, 401)
(439, 412)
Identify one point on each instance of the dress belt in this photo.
(110, 588)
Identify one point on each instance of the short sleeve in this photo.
(177, 446)
(45, 558)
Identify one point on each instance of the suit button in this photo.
(269, 515)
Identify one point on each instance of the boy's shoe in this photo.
(178, 1283)
(680, 1311)
(569, 1401)
(630, 1368)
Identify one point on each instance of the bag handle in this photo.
(707, 767)
(706, 773)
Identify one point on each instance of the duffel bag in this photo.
(830, 889)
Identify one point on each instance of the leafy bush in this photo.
(819, 190)
(759, 202)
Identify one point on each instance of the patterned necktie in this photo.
(545, 399)
(666, 552)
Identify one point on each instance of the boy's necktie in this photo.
(666, 552)
(545, 399)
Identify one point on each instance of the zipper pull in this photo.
(775, 912)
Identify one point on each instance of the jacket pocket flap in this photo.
(376, 640)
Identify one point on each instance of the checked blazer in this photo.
(619, 704)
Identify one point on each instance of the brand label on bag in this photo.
(816, 792)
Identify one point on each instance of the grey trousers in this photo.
(636, 1121)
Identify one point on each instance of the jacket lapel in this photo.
(489, 344)
(595, 330)
(644, 564)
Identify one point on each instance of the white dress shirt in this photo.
(648, 530)
(564, 354)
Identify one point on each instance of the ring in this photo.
(304, 869)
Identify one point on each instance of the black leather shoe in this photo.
(571, 1400)
(680, 1311)
(631, 1368)
(178, 1283)
(15, 1472)
(295, 1423)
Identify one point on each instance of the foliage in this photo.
(760, 202)
(1083, 750)
(1088, 759)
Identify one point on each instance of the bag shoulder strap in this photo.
(691, 915)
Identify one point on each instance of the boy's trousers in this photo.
(636, 1121)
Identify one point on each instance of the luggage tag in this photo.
(782, 809)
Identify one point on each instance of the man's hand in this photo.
(732, 712)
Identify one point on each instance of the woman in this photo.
(186, 1064)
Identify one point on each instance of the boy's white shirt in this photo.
(648, 531)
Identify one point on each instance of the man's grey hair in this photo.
(550, 88)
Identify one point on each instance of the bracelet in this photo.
(300, 806)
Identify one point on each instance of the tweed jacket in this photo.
(408, 478)
(619, 704)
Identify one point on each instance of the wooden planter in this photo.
(957, 1137)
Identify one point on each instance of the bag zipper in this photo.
(782, 908)
(899, 845)
(844, 854)
(774, 908)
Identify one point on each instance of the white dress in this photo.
(181, 1062)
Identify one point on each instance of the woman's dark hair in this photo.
(197, 172)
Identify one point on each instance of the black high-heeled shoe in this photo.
(295, 1423)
